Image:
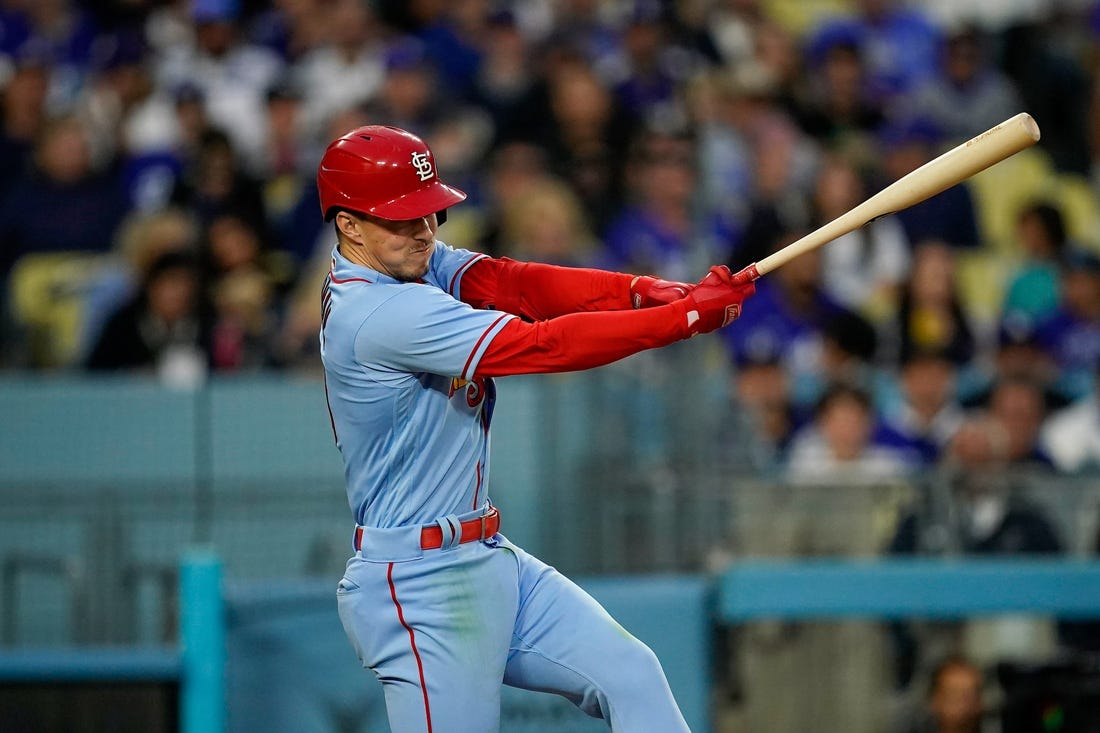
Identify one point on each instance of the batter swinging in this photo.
(439, 604)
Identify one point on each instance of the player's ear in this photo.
(347, 225)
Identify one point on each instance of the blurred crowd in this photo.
(158, 210)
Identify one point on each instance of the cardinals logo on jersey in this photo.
(475, 389)
(480, 392)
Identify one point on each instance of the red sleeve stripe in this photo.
(482, 344)
(458, 273)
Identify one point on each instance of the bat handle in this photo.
(746, 275)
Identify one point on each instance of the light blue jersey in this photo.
(410, 418)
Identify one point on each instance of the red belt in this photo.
(431, 536)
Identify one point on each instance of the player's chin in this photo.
(412, 272)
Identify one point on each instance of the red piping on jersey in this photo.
(347, 280)
(412, 643)
(459, 271)
(477, 346)
(328, 404)
(477, 488)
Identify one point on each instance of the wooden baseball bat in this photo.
(938, 174)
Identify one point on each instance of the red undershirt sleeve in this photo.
(538, 292)
(581, 340)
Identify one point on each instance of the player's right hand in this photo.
(716, 301)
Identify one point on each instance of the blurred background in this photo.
(924, 388)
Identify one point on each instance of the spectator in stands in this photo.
(653, 68)
(993, 517)
(930, 313)
(789, 318)
(849, 354)
(506, 77)
(118, 84)
(289, 188)
(1019, 408)
(546, 223)
(765, 418)
(454, 36)
(63, 204)
(661, 230)
(1072, 334)
(1018, 354)
(215, 183)
(232, 73)
(162, 329)
(1036, 54)
(346, 70)
(900, 44)
(590, 34)
(923, 421)
(950, 216)
(755, 163)
(291, 28)
(1071, 436)
(783, 164)
(837, 109)
(513, 169)
(838, 447)
(22, 115)
(865, 269)
(585, 133)
(1033, 287)
(162, 138)
(65, 32)
(410, 88)
(143, 238)
(986, 513)
(954, 703)
(968, 94)
(243, 279)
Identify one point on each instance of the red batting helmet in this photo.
(384, 172)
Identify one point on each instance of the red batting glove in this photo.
(716, 301)
(646, 291)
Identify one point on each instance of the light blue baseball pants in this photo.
(443, 629)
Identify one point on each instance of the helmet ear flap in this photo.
(440, 217)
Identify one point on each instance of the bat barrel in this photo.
(954, 166)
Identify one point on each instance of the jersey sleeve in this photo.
(422, 329)
(582, 340)
(539, 292)
(449, 266)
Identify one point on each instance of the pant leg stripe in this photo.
(412, 643)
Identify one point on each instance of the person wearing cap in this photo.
(1072, 333)
(435, 600)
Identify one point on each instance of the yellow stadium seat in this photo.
(982, 276)
(1077, 200)
(1001, 191)
(47, 294)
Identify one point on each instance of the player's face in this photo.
(400, 249)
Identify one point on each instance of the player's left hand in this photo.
(647, 291)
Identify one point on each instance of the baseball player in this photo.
(439, 604)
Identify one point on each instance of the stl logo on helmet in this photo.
(422, 165)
